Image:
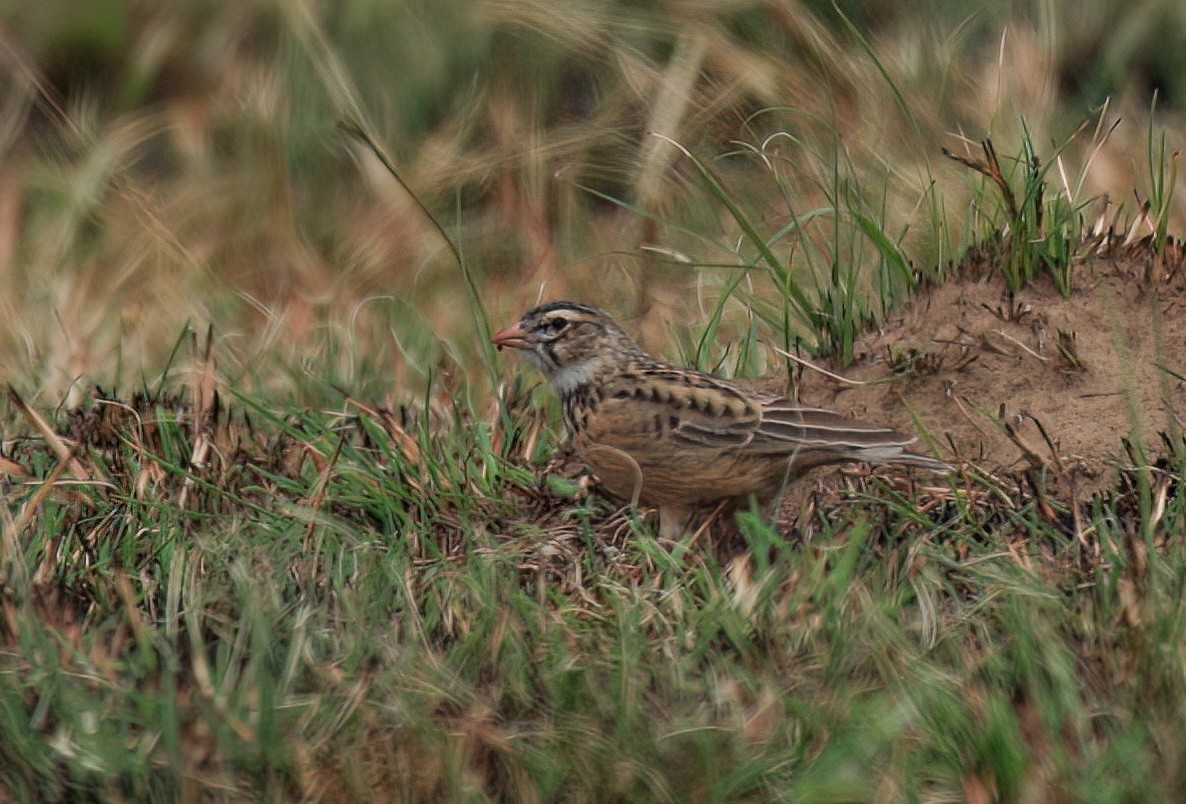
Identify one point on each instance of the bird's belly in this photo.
(684, 478)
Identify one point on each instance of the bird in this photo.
(677, 439)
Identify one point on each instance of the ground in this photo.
(1067, 374)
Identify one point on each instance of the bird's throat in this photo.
(566, 380)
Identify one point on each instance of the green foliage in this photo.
(1163, 179)
(354, 602)
(1038, 232)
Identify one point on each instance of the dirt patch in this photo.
(969, 358)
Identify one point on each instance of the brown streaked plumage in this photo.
(676, 438)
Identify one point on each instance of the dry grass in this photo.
(213, 599)
(228, 198)
(328, 551)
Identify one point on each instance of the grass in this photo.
(334, 548)
(334, 603)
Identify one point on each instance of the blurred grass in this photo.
(305, 598)
(164, 165)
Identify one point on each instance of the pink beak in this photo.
(512, 336)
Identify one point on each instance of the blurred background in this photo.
(171, 166)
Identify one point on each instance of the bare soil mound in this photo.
(1011, 381)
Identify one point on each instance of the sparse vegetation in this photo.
(333, 549)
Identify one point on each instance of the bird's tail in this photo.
(896, 454)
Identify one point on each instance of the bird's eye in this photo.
(556, 325)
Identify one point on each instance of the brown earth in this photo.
(972, 361)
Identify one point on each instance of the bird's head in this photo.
(570, 343)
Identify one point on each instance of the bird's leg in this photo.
(673, 520)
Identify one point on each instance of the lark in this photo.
(677, 439)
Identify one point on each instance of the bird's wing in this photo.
(697, 410)
(682, 407)
(786, 426)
